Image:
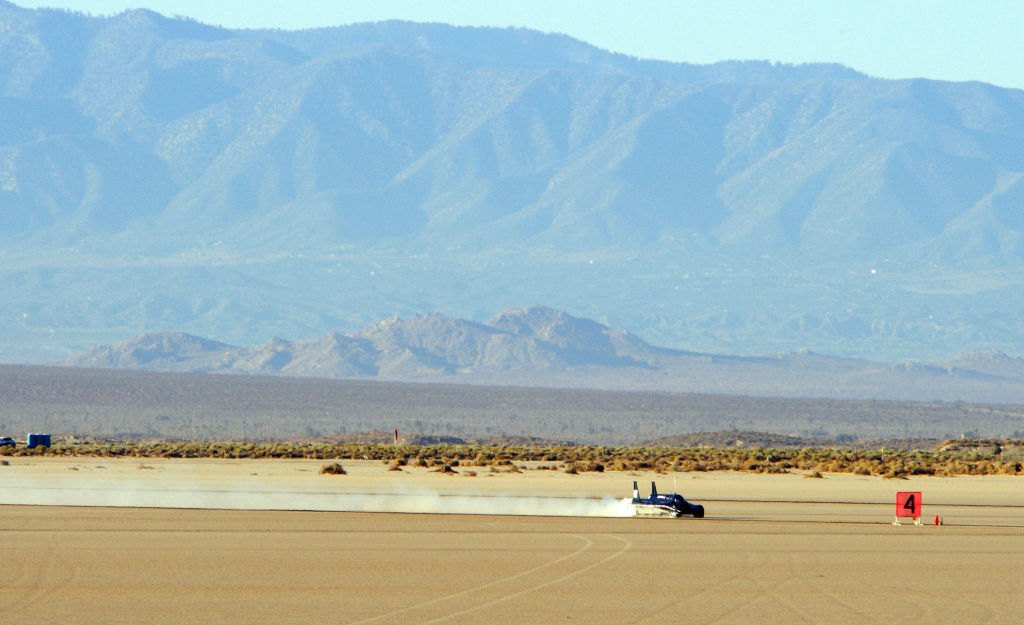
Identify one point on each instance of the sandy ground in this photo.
(773, 549)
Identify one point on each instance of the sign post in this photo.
(908, 505)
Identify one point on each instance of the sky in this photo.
(940, 39)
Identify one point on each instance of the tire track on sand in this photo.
(42, 577)
(757, 590)
(627, 544)
(587, 544)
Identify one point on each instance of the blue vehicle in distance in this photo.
(7, 441)
(668, 505)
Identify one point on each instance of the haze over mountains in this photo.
(539, 346)
(160, 174)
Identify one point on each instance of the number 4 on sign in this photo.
(908, 505)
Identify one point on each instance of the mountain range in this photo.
(539, 346)
(161, 173)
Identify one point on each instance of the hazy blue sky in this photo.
(941, 39)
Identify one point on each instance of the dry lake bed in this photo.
(103, 540)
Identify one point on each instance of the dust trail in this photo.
(147, 494)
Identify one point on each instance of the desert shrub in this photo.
(571, 469)
(862, 468)
(1010, 468)
(834, 466)
(332, 469)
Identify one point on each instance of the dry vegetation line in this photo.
(588, 543)
(954, 457)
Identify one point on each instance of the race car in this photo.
(670, 505)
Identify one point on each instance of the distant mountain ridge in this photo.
(541, 346)
(158, 126)
(157, 172)
(535, 339)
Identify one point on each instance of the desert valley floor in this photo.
(87, 540)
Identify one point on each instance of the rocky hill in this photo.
(539, 346)
(532, 341)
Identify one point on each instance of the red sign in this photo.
(908, 504)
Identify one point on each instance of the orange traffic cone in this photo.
(938, 521)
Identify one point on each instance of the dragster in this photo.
(670, 505)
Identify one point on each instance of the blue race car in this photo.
(670, 505)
